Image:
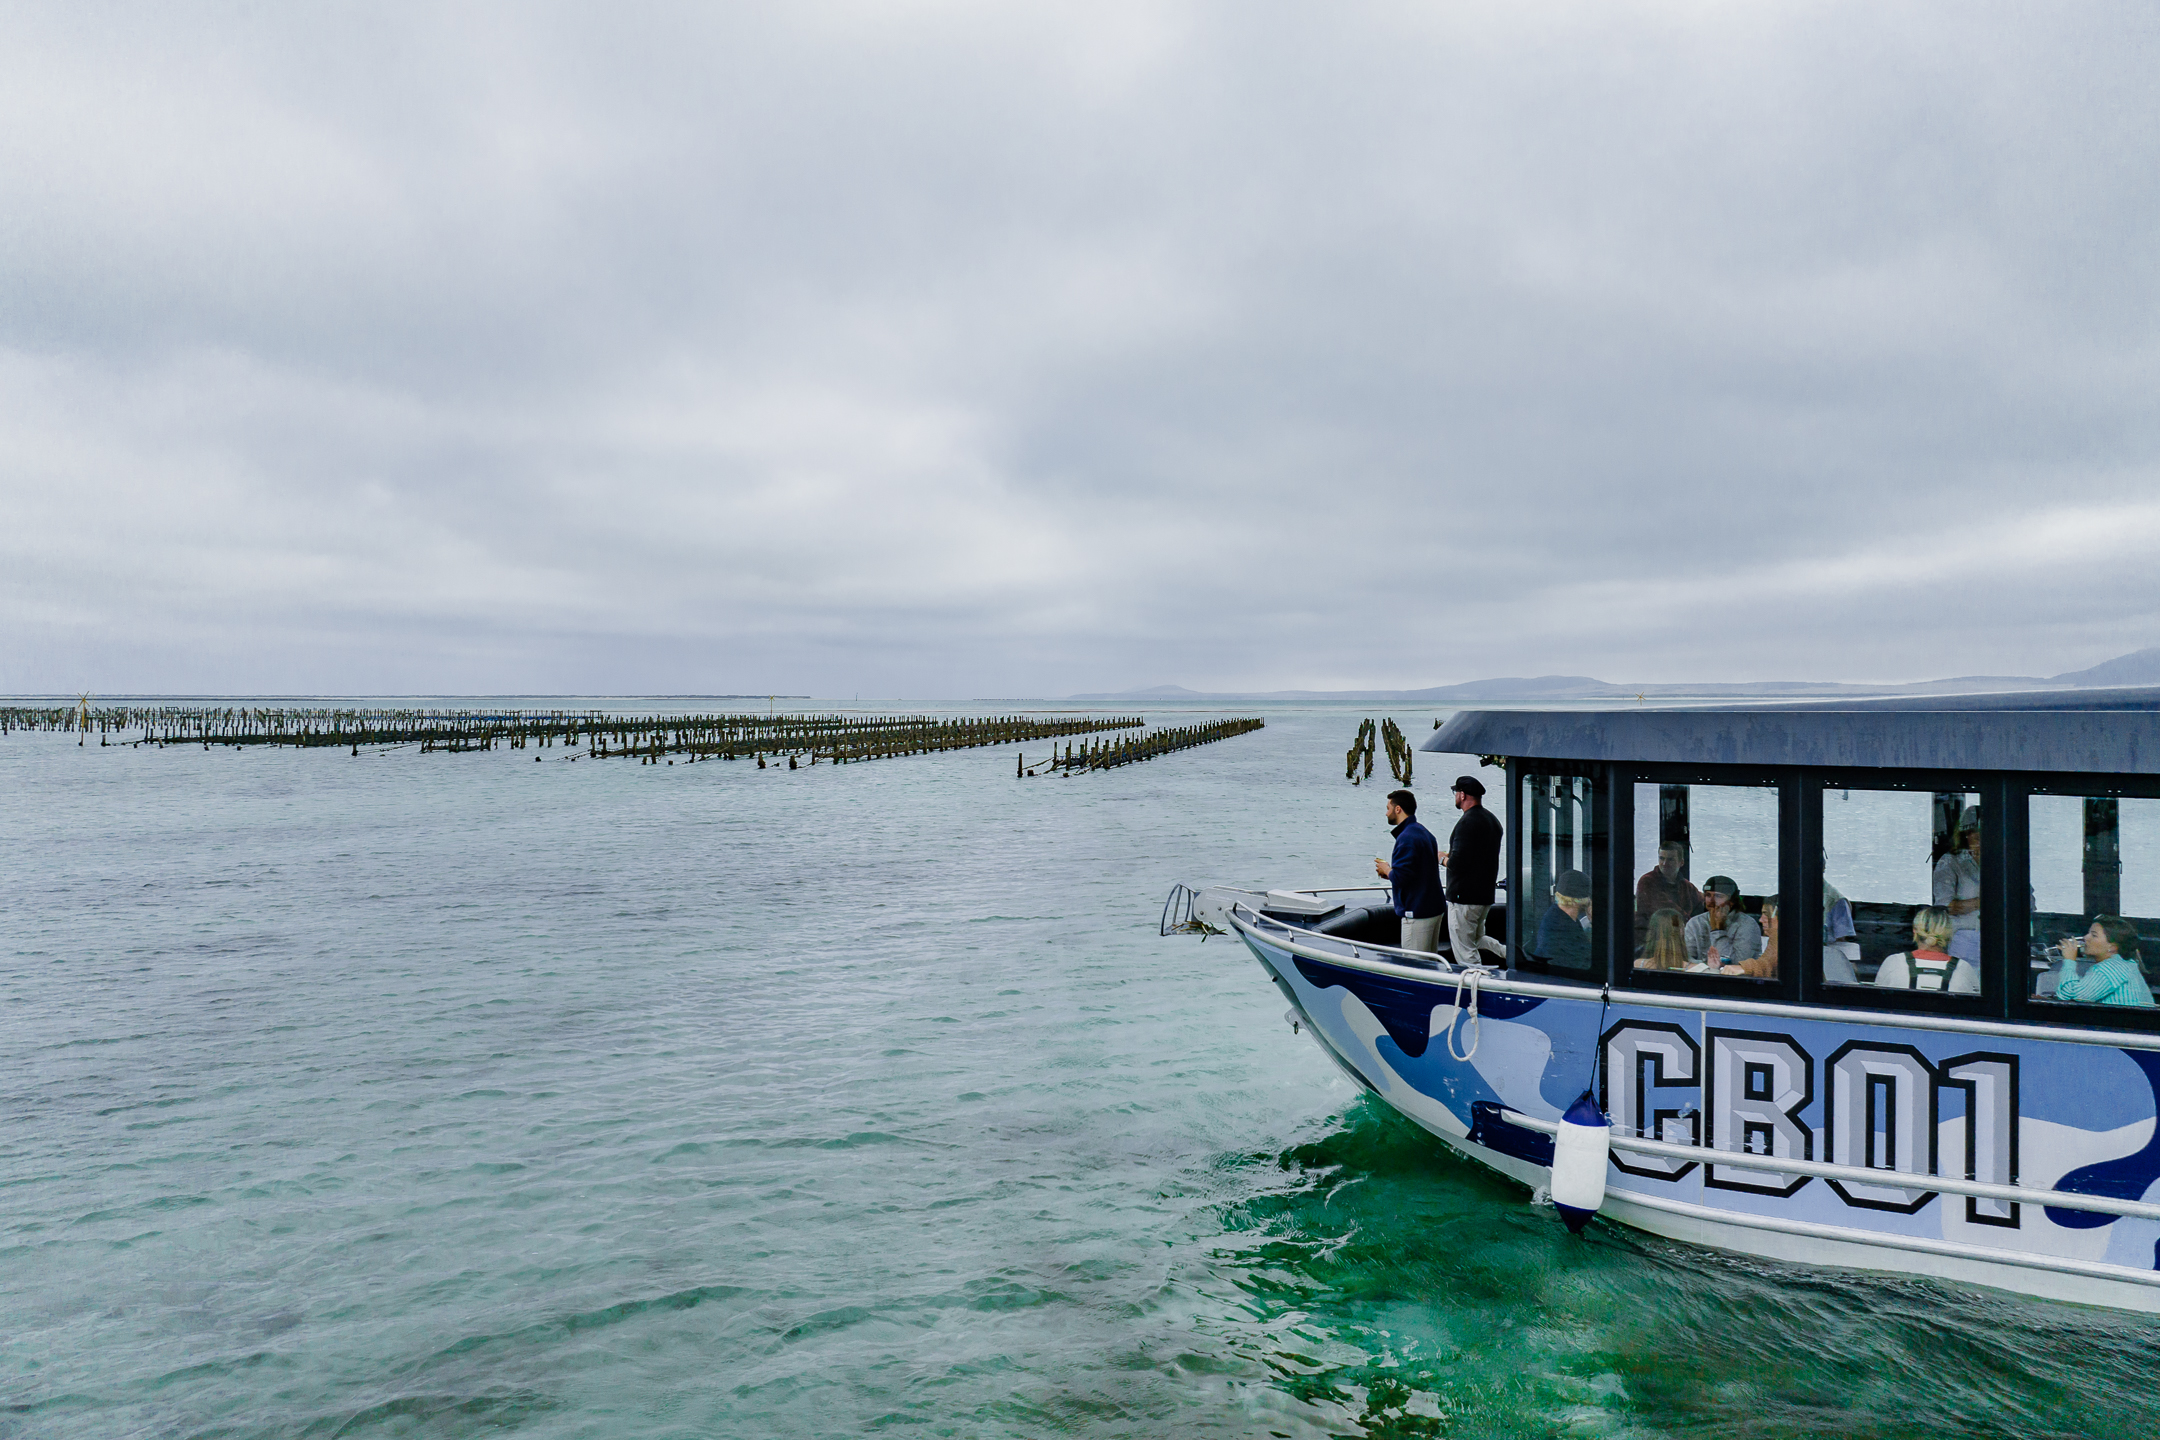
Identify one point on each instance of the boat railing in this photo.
(1336, 945)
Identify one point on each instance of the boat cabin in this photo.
(1926, 854)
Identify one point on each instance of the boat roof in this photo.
(2096, 731)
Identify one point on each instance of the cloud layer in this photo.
(951, 349)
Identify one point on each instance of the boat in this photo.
(1913, 1073)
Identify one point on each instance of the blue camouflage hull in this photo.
(1853, 1089)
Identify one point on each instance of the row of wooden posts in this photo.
(1364, 748)
(854, 740)
(649, 739)
(841, 739)
(1109, 754)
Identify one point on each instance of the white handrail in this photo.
(1857, 1174)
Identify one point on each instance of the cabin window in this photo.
(1706, 867)
(1560, 843)
(2095, 873)
(1901, 890)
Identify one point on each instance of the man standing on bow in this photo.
(1473, 872)
(1414, 875)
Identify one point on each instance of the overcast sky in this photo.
(947, 350)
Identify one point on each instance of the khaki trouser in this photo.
(1423, 935)
(1466, 935)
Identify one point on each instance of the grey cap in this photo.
(1573, 884)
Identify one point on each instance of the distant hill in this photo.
(2140, 667)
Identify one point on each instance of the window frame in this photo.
(1620, 845)
(1995, 987)
(2005, 905)
(2017, 917)
(1520, 927)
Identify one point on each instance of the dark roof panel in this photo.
(2110, 732)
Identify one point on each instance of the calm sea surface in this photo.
(456, 1095)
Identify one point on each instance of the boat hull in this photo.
(1910, 1103)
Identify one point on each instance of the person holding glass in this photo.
(1724, 934)
(1413, 875)
(1929, 965)
(1957, 887)
(2115, 977)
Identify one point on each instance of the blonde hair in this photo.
(1931, 929)
(1665, 946)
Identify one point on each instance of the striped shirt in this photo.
(2114, 981)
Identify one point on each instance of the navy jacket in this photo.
(1414, 872)
(1473, 862)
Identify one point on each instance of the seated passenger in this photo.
(1724, 933)
(2116, 979)
(1957, 887)
(1663, 887)
(1563, 933)
(1931, 966)
(1764, 965)
(1664, 942)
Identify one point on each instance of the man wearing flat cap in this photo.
(1473, 869)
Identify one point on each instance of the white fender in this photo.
(1581, 1149)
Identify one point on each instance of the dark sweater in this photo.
(1473, 864)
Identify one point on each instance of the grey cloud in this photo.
(959, 349)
